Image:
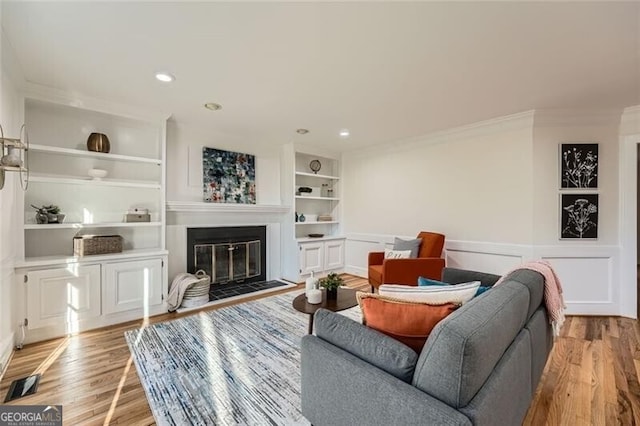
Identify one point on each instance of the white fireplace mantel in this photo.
(200, 206)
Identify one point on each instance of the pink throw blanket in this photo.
(553, 299)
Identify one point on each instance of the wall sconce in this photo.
(15, 157)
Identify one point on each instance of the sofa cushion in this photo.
(449, 293)
(397, 254)
(534, 282)
(413, 245)
(407, 322)
(426, 282)
(367, 344)
(463, 350)
(455, 276)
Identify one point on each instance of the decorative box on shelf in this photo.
(137, 214)
(131, 217)
(85, 245)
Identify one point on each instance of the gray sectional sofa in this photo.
(480, 366)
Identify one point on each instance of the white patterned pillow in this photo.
(455, 293)
(397, 254)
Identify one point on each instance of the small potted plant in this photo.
(48, 214)
(331, 282)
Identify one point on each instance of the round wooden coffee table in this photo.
(346, 299)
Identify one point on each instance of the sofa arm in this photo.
(366, 343)
(407, 271)
(338, 388)
(375, 258)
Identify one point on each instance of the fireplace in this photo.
(230, 254)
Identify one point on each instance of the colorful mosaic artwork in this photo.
(228, 177)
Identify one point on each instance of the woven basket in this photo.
(96, 244)
(198, 293)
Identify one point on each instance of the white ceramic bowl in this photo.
(97, 174)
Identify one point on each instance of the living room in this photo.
(456, 113)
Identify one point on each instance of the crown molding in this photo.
(519, 121)
(576, 117)
(76, 100)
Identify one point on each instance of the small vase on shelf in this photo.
(301, 218)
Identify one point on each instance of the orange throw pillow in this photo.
(408, 322)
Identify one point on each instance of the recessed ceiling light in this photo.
(344, 133)
(165, 77)
(212, 106)
(302, 131)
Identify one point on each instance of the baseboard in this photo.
(356, 270)
(6, 352)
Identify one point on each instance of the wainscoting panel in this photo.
(7, 334)
(589, 277)
(589, 274)
(486, 257)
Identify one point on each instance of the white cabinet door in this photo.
(64, 295)
(132, 285)
(333, 254)
(311, 257)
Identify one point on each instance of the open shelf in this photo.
(93, 182)
(90, 225)
(313, 175)
(317, 222)
(325, 238)
(92, 154)
(56, 260)
(302, 197)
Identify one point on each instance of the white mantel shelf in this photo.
(202, 207)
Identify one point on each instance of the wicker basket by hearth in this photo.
(198, 293)
(85, 245)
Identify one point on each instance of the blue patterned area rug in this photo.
(235, 365)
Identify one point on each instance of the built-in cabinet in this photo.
(66, 293)
(62, 295)
(321, 256)
(133, 285)
(312, 238)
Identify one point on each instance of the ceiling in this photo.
(384, 70)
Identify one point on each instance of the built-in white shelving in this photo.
(325, 238)
(90, 154)
(96, 182)
(30, 262)
(314, 175)
(303, 197)
(326, 222)
(31, 226)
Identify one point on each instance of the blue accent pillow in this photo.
(422, 282)
(481, 290)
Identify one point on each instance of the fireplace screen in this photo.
(228, 261)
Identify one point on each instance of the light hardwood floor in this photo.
(591, 378)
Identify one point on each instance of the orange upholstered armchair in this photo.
(428, 264)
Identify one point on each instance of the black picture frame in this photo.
(579, 216)
(579, 165)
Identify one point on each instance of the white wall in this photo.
(471, 184)
(493, 189)
(184, 162)
(588, 269)
(11, 118)
(184, 183)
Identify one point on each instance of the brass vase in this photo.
(98, 142)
